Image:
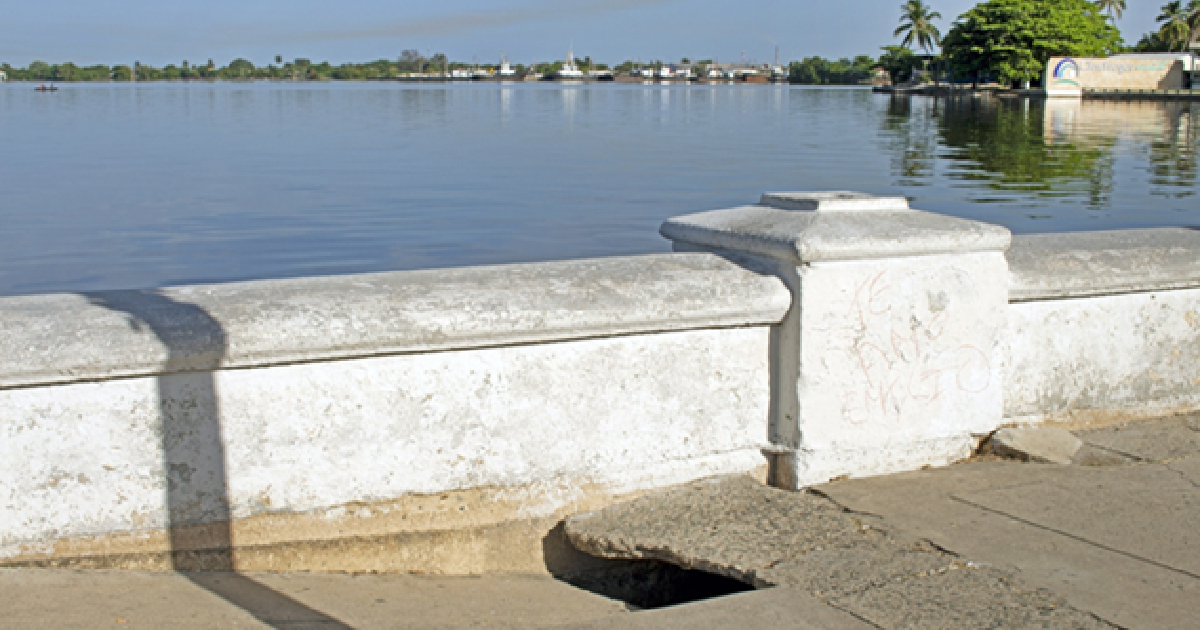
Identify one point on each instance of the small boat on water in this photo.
(46, 88)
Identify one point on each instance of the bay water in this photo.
(109, 186)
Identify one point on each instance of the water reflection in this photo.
(1023, 150)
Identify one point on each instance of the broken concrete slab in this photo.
(804, 542)
(840, 571)
(1041, 444)
(732, 526)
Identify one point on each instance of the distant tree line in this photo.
(410, 61)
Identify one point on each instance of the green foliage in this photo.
(818, 71)
(1152, 43)
(899, 62)
(1013, 39)
(1180, 24)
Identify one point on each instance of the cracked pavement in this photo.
(1110, 543)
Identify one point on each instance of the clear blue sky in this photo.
(157, 32)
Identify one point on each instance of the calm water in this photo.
(138, 186)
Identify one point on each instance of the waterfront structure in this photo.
(1072, 76)
(3, 75)
(569, 69)
(446, 420)
(505, 70)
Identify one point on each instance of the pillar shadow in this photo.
(199, 529)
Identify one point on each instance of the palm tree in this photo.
(1177, 23)
(1114, 8)
(916, 22)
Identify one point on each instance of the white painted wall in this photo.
(625, 413)
(133, 412)
(1103, 326)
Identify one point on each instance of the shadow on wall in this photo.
(197, 490)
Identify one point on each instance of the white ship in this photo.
(506, 70)
(569, 70)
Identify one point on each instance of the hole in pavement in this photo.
(644, 584)
(641, 584)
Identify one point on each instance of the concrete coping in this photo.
(48, 339)
(811, 227)
(1082, 264)
(834, 201)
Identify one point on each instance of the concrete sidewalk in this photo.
(980, 544)
(1119, 541)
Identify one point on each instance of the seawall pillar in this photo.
(892, 355)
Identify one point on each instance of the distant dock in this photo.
(1090, 94)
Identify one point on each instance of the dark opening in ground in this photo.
(641, 584)
(652, 584)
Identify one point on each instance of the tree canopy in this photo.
(1013, 39)
(1180, 24)
(916, 22)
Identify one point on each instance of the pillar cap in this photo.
(804, 227)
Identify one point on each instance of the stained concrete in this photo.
(1118, 541)
(807, 544)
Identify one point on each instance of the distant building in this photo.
(1070, 76)
(3, 75)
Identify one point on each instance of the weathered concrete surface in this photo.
(1129, 350)
(1091, 361)
(133, 599)
(1081, 264)
(1050, 445)
(891, 357)
(793, 541)
(1117, 541)
(811, 227)
(1160, 441)
(317, 452)
(69, 338)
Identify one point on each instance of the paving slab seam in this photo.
(1182, 474)
(853, 614)
(1136, 458)
(1075, 537)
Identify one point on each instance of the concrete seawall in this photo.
(447, 420)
